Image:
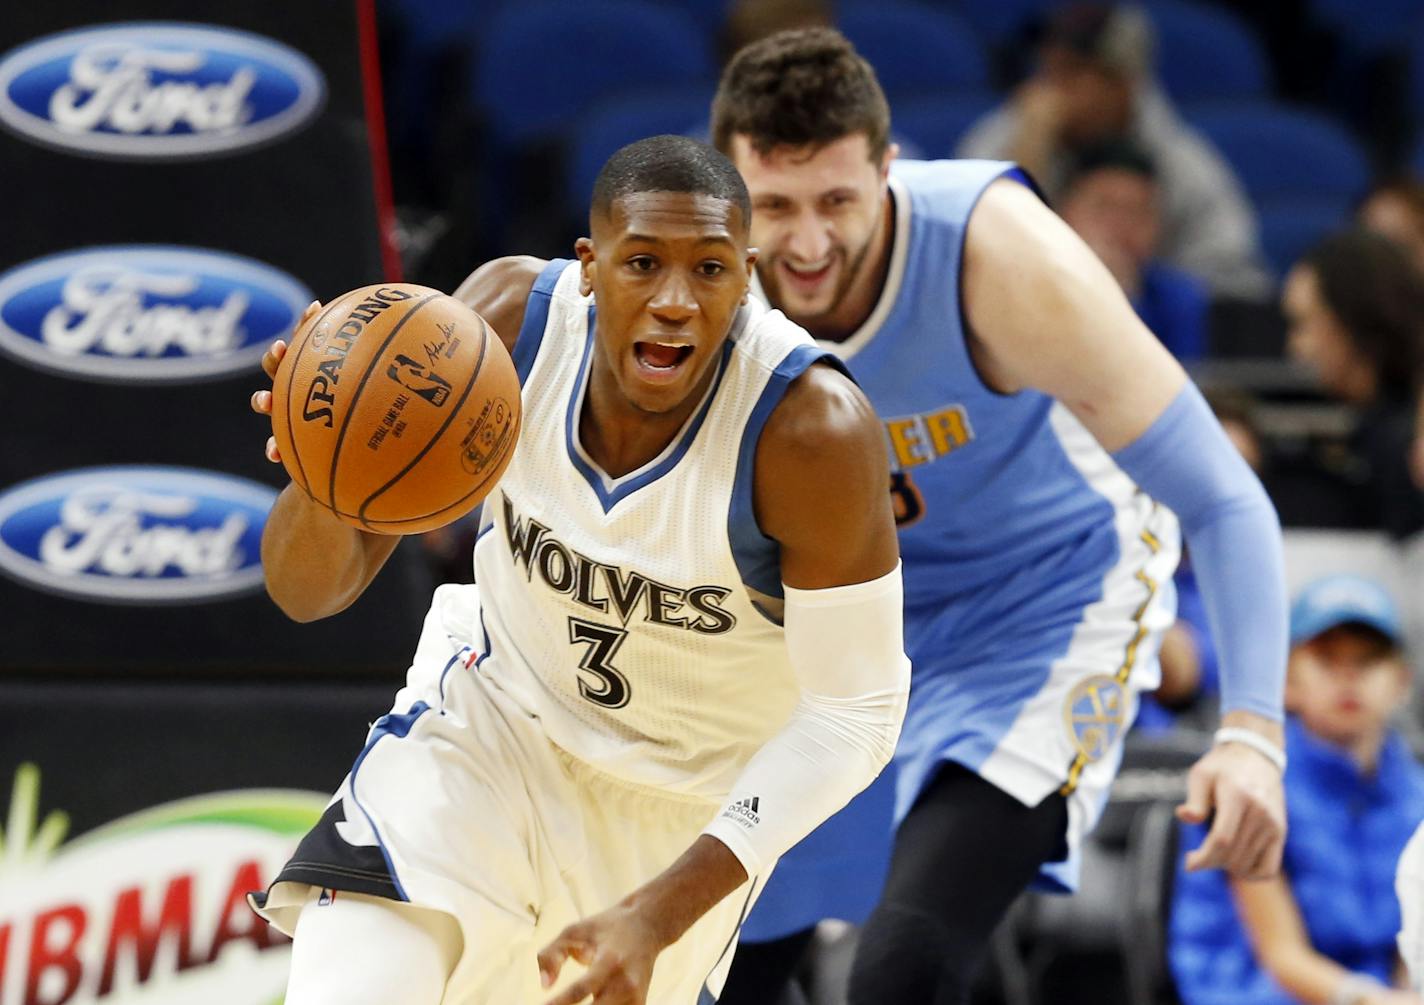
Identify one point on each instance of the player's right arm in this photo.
(316, 565)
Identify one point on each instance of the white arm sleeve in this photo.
(848, 651)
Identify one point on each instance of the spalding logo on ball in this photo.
(397, 408)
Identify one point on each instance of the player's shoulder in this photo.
(823, 422)
(499, 290)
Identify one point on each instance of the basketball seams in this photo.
(487, 333)
(304, 483)
(494, 469)
(361, 386)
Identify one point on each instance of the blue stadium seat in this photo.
(1000, 21)
(1416, 73)
(915, 48)
(1369, 28)
(619, 121)
(931, 127)
(1290, 228)
(543, 64)
(1286, 153)
(1416, 159)
(1206, 53)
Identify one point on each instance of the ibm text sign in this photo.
(156, 90)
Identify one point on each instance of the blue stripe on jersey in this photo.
(398, 726)
(758, 557)
(611, 493)
(536, 317)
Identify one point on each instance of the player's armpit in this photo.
(498, 292)
(822, 484)
(1043, 312)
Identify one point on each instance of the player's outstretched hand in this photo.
(1241, 792)
(262, 400)
(618, 946)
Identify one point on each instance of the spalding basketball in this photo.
(397, 408)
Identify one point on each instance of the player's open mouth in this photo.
(661, 360)
(807, 277)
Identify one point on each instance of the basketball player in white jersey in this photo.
(684, 650)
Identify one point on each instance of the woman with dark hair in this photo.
(1355, 309)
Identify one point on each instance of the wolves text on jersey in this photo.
(604, 588)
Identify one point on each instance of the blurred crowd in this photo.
(1243, 169)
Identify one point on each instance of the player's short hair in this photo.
(669, 164)
(797, 88)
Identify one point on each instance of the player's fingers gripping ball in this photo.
(397, 408)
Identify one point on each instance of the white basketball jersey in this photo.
(634, 615)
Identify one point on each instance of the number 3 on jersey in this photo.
(611, 687)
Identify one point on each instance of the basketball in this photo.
(397, 408)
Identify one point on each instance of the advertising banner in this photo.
(183, 179)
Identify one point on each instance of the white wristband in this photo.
(1254, 740)
(1354, 989)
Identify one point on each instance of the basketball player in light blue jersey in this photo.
(1045, 449)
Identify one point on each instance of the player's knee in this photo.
(907, 954)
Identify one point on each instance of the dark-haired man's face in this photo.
(815, 213)
(668, 271)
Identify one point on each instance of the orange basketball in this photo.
(397, 408)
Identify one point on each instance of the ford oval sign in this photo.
(157, 89)
(139, 535)
(146, 313)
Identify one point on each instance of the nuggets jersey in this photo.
(632, 614)
(1037, 576)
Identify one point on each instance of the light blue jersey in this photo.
(1037, 575)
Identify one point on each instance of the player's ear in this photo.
(891, 152)
(752, 254)
(583, 247)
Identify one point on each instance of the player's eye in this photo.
(642, 263)
(711, 268)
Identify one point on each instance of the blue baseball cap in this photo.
(1342, 600)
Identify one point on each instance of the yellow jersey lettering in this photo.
(906, 441)
(948, 429)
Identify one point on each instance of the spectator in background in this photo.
(1093, 83)
(1323, 931)
(750, 20)
(1395, 209)
(1112, 198)
(1354, 308)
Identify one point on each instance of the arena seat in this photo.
(544, 64)
(915, 49)
(1001, 21)
(1369, 29)
(621, 120)
(930, 127)
(1286, 153)
(1206, 53)
(1290, 227)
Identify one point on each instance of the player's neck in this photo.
(618, 436)
(865, 290)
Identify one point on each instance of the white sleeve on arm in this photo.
(847, 648)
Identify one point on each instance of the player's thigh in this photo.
(351, 949)
(969, 848)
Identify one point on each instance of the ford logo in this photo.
(157, 89)
(136, 535)
(146, 313)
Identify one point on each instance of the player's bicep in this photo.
(1045, 313)
(822, 485)
(498, 292)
